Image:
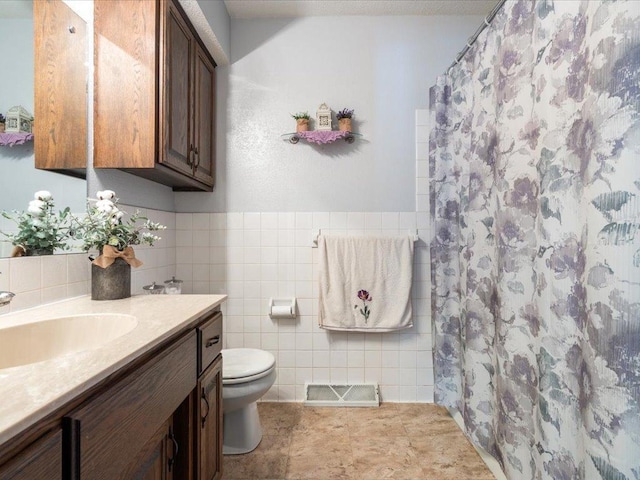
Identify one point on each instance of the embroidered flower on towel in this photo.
(365, 297)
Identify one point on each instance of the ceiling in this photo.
(309, 8)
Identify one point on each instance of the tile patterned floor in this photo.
(395, 441)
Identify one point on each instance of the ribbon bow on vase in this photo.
(110, 253)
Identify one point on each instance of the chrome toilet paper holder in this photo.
(282, 307)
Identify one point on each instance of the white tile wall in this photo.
(45, 279)
(159, 261)
(253, 256)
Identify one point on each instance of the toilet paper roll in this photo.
(281, 311)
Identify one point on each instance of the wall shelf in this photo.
(321, 137)
(10, 139)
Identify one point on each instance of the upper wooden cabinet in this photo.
(154, 94)
(60, 128)
(205, 125)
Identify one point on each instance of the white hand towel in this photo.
(365, 283)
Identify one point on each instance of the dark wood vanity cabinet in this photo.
(41, 460)
(131, 416)
(154, 94)
(156, 459)
(209, 426)
(159, 418)
(209, 408)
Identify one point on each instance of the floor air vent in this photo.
(325, 395)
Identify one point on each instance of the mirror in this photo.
(19, 178)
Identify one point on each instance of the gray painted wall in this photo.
(380, 66)
(131, 190)
(216, 14)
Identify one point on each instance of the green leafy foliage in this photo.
(105, 224)
(40, 228)
(301, 115)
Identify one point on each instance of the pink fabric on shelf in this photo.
(322, 136)
(12, 139)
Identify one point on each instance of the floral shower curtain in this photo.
(535, 204)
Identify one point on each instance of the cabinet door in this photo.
(40, 461)
(205, 128)
(107, 431)
(209, 426)
(125, 84)
(178, 114)
(60, 130)
(155, 460)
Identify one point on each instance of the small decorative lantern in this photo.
(323, 117)
(18, 120)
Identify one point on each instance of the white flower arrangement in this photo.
(104, 224)
(40, 229)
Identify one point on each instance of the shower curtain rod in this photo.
(474, 37)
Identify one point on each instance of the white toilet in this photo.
(247, 374)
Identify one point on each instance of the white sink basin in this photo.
(48, 339)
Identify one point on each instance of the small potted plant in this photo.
(302, 121)
(2, 122)
(344, 119)
(105, 229)
(40, 229)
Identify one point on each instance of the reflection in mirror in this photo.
(19, 179)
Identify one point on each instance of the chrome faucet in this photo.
(6, 297)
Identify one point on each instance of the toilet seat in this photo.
(243, 365)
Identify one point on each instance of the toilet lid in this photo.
(245, 362)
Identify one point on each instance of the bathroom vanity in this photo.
(146, 404)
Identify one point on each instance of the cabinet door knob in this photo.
(206, 401)
(212, 341)
(189, 153)
(172, 437)
(197, 159)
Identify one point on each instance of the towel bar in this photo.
(318, 232)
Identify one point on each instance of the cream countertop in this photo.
(31, 392)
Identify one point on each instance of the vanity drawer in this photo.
(209, 341)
